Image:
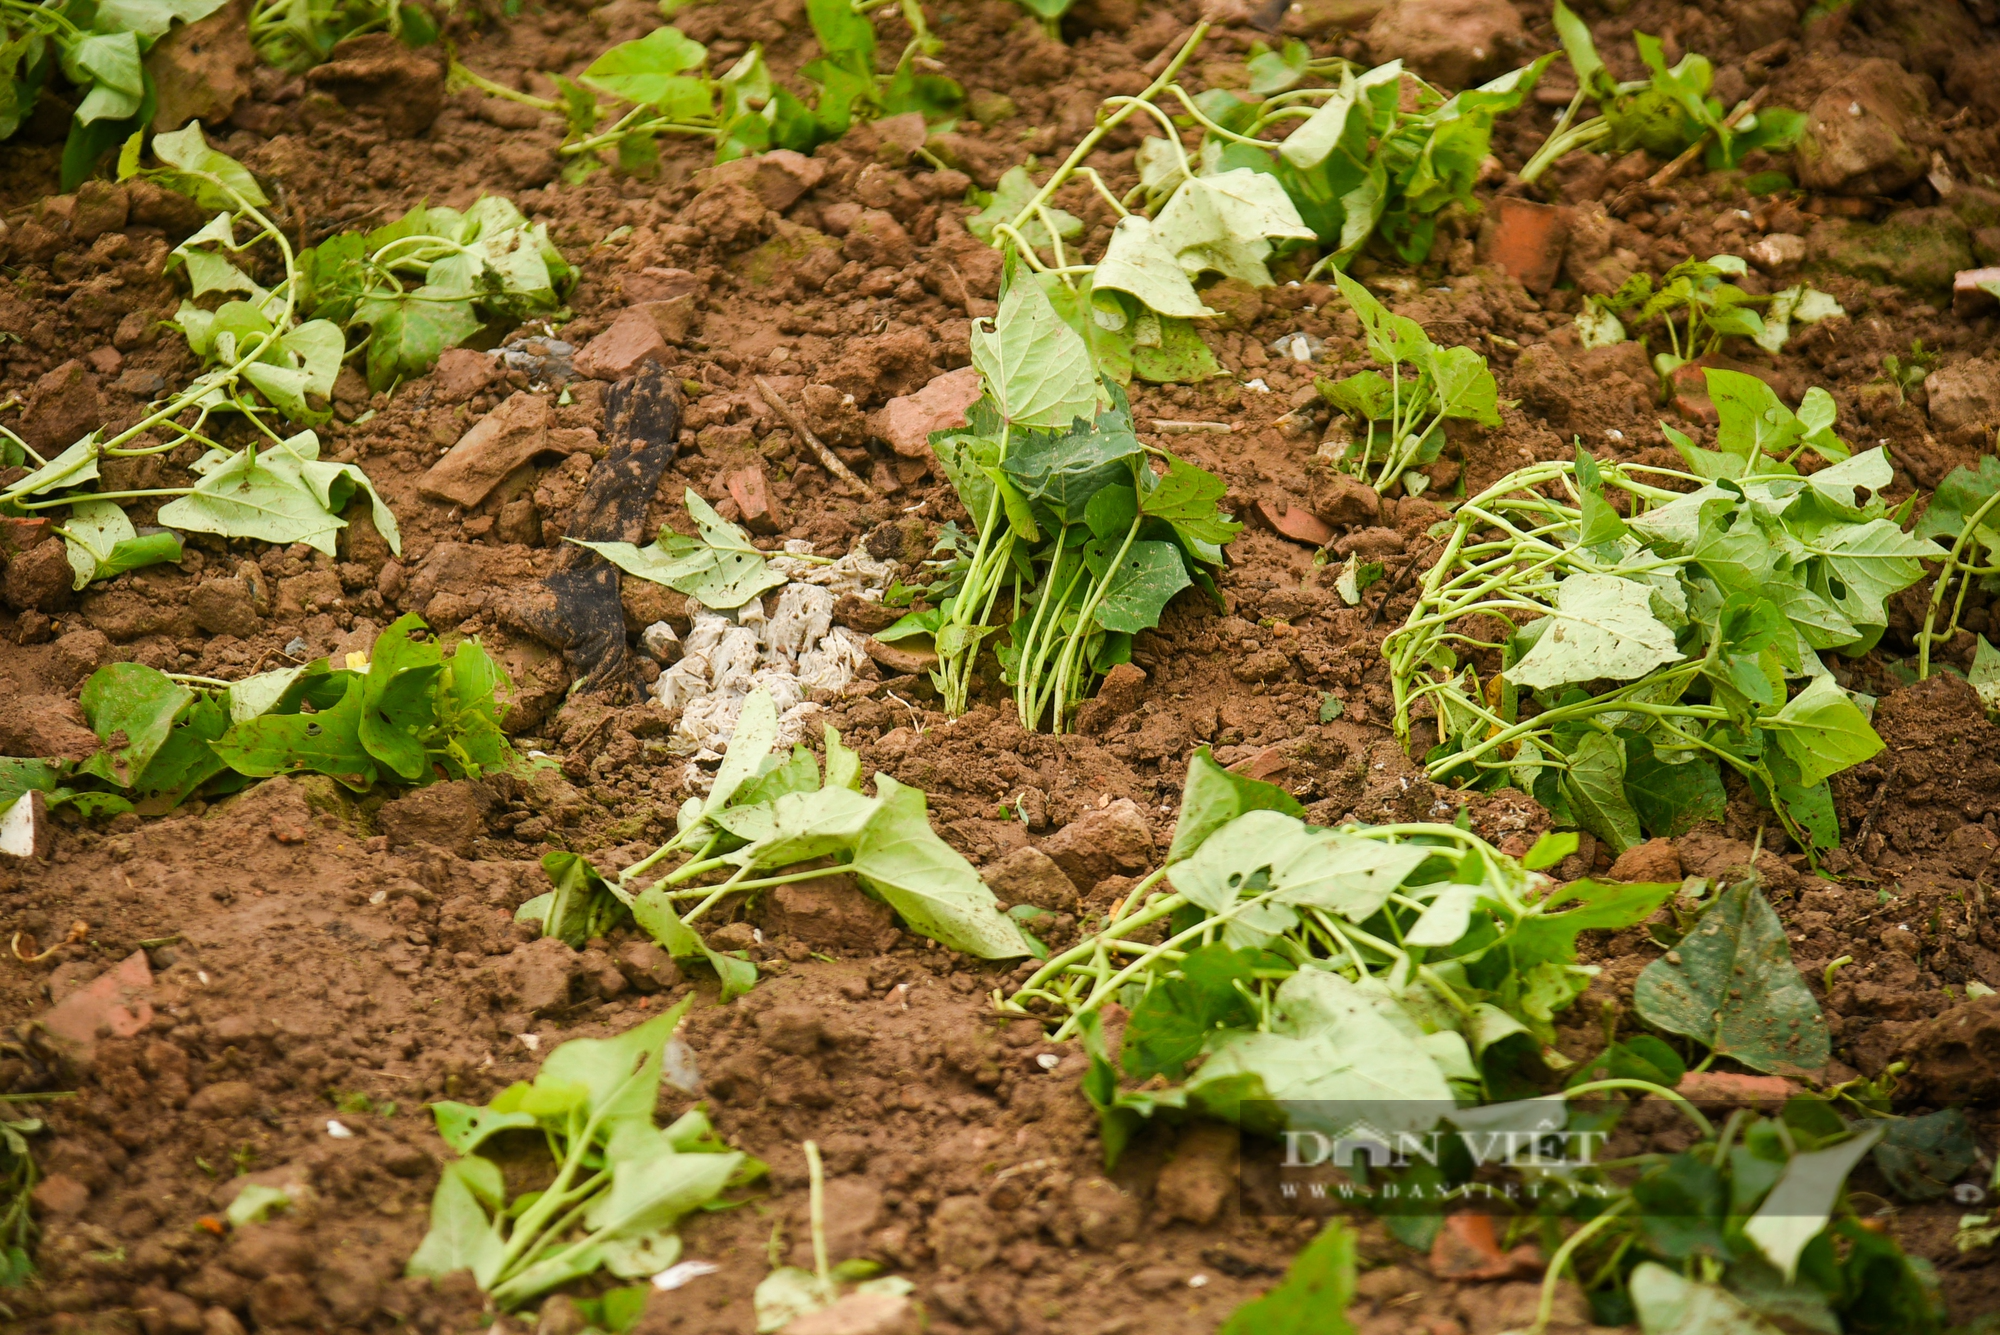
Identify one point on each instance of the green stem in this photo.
(1560, 1261)
(1954, 562)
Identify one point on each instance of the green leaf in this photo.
(656, 915)
(1595, 789)
(1463, 387)
(1823, 731)
(1212, 797)
(1869, 563)
(396, 700)
(797, 827)
(1641, 1057)
(652, 70)
(1957, 499)
(935, 891)
(620, 1076)
(1063, 471)
(328, 742)
(1549, 849)
(1798, 1207)
(248, 495)
(465, 1127)
(1984, 674)
(1011, 194)
(1550, 938)
(723, 569)
(1167, 351)
(1578, 46)
(131, 707)
(1604, 627)
(1190, 499)
(408, 332)
(1923, 1156)
(1332, 1044)
(1225, 222)
(839, 28)
(1177, 1015)
(1036, 368)
(103, 544)
(1733, 988)
(461, 1237)
(109, 65)
(1671, 799)
(1138, 263)
(1146, 578)
(187, 759)
(1668, 1303)
(187, 150)
(1313, 1297)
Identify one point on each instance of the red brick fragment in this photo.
(1526, 239)
(751, 491)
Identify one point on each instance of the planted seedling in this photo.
(1381, 152)
(423, 283)
(18, 1176)
(1085, 542)
(788, 1292)
(412, 715)
(295, 35)
(764, 813)
(658, 85)
(1668, 111)
(1696, 308)
(265, 365)
(1408, 966)
(1623, 660)
(99, 50)
(1964, 514)
(1399, 419)
(621, 1184)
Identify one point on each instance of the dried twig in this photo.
(819, 447)
(1666, 175)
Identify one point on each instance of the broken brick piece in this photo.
(1298, 524)
(1526, 239)
(633, 338)
(751, 491)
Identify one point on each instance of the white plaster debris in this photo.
(785, 642)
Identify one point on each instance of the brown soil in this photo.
(323, 948)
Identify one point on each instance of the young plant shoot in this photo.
(765, 813)
(621, 1183)
(411, 715)
(1399, 420)
(1077, 534)
(266, 366)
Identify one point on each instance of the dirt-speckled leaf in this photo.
(328, 742)
(131, 707)
(924, 879)
(1604, 627)
(1731, 984)
(655, 913)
